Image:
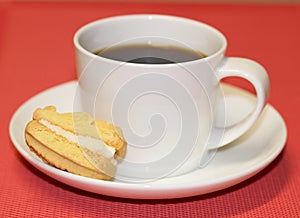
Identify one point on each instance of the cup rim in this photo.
(91, 24)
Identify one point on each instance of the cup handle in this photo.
(258, 77)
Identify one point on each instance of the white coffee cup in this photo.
(172, 114)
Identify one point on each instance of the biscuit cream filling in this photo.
(96, 146)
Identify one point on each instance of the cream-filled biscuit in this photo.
(76, 142)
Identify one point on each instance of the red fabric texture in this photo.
(36, 52)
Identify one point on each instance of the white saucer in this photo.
(232, 164)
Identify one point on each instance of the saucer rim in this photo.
(139, 190)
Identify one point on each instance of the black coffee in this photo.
(150, 54)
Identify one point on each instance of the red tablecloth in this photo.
(36, 52)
